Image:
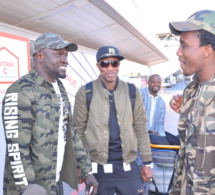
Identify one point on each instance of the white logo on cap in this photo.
(111, 50)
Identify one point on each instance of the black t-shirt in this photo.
(115, 149)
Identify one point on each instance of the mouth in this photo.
(181, 62)
(156, 88)
(63, 68)
(111, 74)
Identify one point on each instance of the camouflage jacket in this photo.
(197, 135)
(31, 120)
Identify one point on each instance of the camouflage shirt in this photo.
(196, 160)
(31, 121)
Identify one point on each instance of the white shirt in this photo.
(153, 104)
(61, 134)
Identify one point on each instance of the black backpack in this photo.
(89, 94)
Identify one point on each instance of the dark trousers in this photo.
(172, 139)
(120, 182)
(169, 139)
(132, 187)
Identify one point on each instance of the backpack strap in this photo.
(156, 188)
(132, 94)
(89, 94)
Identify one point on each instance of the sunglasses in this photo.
(105, 64)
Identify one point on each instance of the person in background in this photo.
(196, 160)
(43, 147)
(156, 111)
(112, 131)
(155, 105)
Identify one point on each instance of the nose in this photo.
(64, 60)
(158, 84)
(110, 67)
(178, 53)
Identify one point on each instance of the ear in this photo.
(207, 51)
(39, 56)
(98, 65)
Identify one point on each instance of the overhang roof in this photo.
(89, 23)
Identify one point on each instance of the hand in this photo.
(153, 132)
(175, 102)
(146, 173)
(91, 181)
(80, 179)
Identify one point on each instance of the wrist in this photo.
(149, 165)
(90, 173)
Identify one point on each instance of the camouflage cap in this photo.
(204, 19)
(52, 41)
(108, 52)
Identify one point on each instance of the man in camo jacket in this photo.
(43, 147)
(195, 165)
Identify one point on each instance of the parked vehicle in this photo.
(167, 83)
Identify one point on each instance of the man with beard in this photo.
(43, 147)
(155, 105)
(156, 111)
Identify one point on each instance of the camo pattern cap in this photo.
(52, 41)
(204, 19)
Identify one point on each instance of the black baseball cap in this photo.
(107, 52)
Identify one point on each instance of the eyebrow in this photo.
(181, 41)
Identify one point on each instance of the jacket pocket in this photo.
(205, 160)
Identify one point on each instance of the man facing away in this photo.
(43, 147)
(112, 131)
(195, 173)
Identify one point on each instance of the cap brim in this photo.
(68, 46)
(177, 27)
(71, 47)
(112, 56)
(120, 57)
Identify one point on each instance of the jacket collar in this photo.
(39, 79)
(104, 85)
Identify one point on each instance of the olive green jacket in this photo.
(93, 126)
